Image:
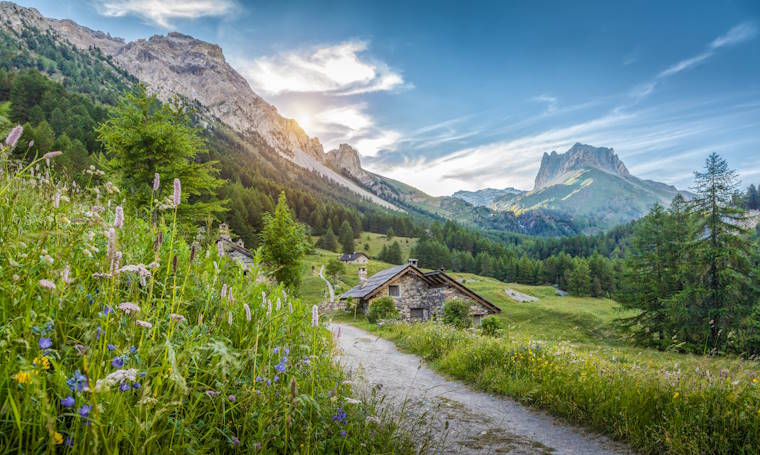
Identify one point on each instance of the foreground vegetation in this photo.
(118, 335)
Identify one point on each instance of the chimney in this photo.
(362, 276)
(413, 262)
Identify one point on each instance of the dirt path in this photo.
(477, 422)
(327, 282)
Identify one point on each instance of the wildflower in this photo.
(98, 332)
(212, 393)
(23, 377)
(115, 263)
(232, 398)
(68, 402)
(278, 304)
(50, 155)
(81, 348)
(229, 317)
(12, 139)
(156, 181)
(290, 307)
(69, 442)
(65, 275)
(43, 361)
(117, 377)
(224, 290)
(220, 249)
(247, 312)
(675, 395)
(178, 317)
(107, 310)
(110, 347)
(314, 316)
(117, 362)
(47, 284)
(133, 349)
(129, 307)
(287, 351)
(280, 367)
(136, 385)
(124, 387)
(276, 378)
(44, 343)
(342, 433)
(57, 438)
(340, 416)
(118, 221)
(269, 308)
(57, 200)
(235, 441)
(177, 192)
(144, 324)
(84, 411)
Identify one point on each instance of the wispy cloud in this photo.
(162, 12)
(338, 69)
(549, 101)
(736, 35)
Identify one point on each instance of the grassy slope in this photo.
(564, 354)
(5, 109)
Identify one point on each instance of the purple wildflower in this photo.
(14, 136)
(47, 284)
(124, 387)
(276, 350)
(340, 416)
(212, 393)
(98, 332)
(117, 362)
(77, 382)
(136, 385)
(314, 316)
(156, 181)
(111, 347)
(235, 441)
(247, 312)
(177, 192)
(69, 442)
(276, 378)
(232, 398)
(84, 411)
(343, 433)
(287, 351)
(224, 290)
(68, 401)
(44, 343)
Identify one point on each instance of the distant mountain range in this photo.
(589, 184)
(584, 188)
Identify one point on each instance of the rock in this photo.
(579, 156)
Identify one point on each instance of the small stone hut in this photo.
(418, 295)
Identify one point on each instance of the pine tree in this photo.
(283, 243)
(145, 136)
(580, 279)
(721, 254)
(328, 241)
(346, 237)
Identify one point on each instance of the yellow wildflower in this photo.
(675, 395)
(755, 380)
(43, 361)
(23, 377)
(57, 438)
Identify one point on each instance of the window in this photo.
(394, 290)
(417, 313)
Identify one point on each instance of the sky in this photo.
(447, 96)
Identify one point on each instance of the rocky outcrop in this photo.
(178, 64)
(346, 159)
(579, 156)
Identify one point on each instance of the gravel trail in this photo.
(478, 422)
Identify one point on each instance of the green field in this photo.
(5, 109)
(567, 355)
(375, 243)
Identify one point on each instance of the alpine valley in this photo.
(585, 189)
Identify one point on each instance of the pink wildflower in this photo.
(47, 284)
(50, 155)
(229, 317)
(118, 221)
(314, 316)
(57, 200)
(14, 136)
(177, 192)
(144, 324)
(156, 181)
(247, 312)
(224, 290)
(219, 249)
(129, 307)
(178, 317)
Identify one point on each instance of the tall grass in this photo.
(117, 337)
(655, 410)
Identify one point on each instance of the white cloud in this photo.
(738, 34)
(550, 101)
(338, 69)
(161, 12)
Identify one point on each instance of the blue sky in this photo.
(448, 96)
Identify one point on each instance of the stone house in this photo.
(354, 258)
(418, 295)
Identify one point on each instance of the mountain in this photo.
(484, 197)
(181, 65)
(589, 184)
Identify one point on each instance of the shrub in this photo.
(456, 312)
(490, 326)
(382, 308)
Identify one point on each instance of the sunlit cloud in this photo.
(162, 12)
(338, 69)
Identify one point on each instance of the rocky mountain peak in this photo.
(579, 156)
(346, 158)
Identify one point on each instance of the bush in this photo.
(490, 326)
(382, 308)
(456, 312)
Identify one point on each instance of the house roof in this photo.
(352, 256)
(435, 278)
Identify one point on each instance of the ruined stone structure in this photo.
(418, 295)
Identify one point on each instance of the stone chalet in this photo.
(418, 295)
(354, 258)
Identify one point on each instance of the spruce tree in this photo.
(328, 241)
(283, 243)
(346, 237)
